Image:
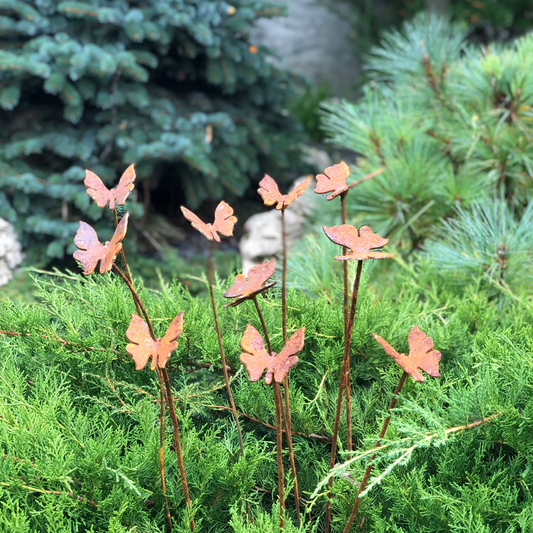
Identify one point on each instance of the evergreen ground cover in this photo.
(79, 432)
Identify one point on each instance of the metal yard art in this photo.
(357, 245)
(421, 356)
(248, 287)
(91, 251)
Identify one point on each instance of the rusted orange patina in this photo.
(421, 355)
(143, 346)
(91, 250)
(102, 195)
(359, 243)
(257, 360)
(269, 191)
(223, 224)
(245, 288)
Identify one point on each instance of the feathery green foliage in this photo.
(93, 437)
(450, 123)
(172, 85)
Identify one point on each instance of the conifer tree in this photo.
(171, 85)
(449, 122)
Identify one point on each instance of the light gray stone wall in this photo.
(313, 40)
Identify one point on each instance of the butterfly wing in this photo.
(269, 191)
(256, 359)
(422, 355)
(333, 180)
(197, 224)
(90, 250)
(115, 245)
(257, 275)
(142, 346)
(169, 342)
(96, 189)
(398, 357)
(295, 193)
(124, 187)
(286, 359)
(345, 235)
(224, 221)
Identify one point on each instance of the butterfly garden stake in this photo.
(333, 181)
(421, 356)
(222, 225)
(269, 191)
(357, 245)
(118, 196)
(145, 344)
(257, 360)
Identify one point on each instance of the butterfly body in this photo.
(243, 288)
(143, 347)
(102, 195)
(333, 180)
(360, 244)
(421, 355)
(257, 360)
(223, 224)
(269, 191)
(91, 251)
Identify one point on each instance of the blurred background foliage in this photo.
(172, 85)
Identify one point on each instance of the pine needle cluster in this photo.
(449, 122)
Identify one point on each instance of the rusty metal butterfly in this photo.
(257, 360)
(91, 250)
(143, 346)
(223, 224)
(333, 180)
(359, 243)
(243, 288)
(269, 191)
(421, 355)
(102, 195)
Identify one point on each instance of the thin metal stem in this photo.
(177, 442)
(342, 383)
(123, 256)
(347, 387)
(136, 299)
(263, 324)
(221, 347)
(279, 456)
(353, 514)
(169, 398)
(162, 447)
(287, 417)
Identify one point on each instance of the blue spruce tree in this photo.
(171, 85)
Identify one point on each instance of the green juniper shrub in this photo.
(81, 441)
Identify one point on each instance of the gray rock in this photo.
(10, 251)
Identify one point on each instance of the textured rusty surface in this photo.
(91, 250)
(359, 243)
(244, 288)
(269, 191)
(143, 346)
(102, 195)
(257, 360)
(421, 355)
(223, 224)
(333, 180)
